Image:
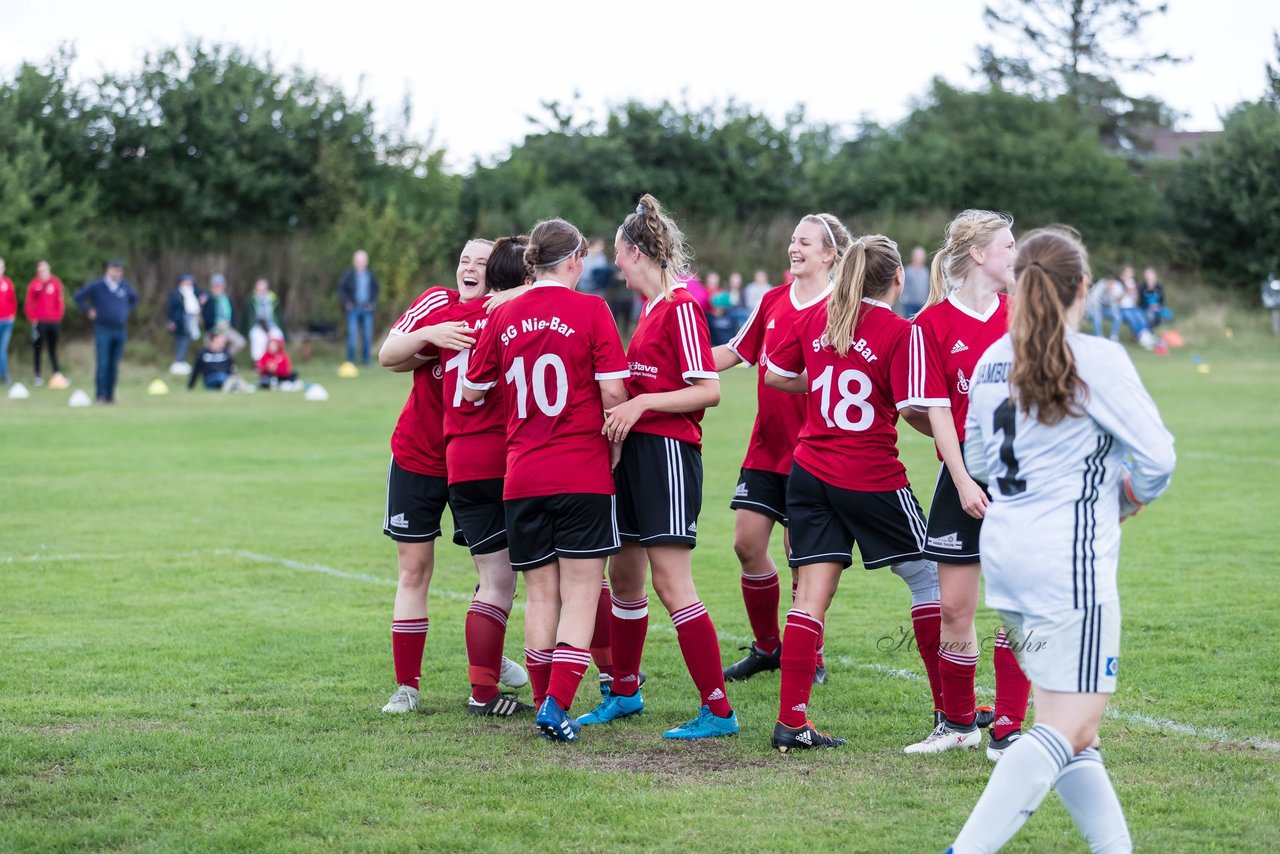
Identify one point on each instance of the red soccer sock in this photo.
(799, 659)
(760, 593)
(486, 630)
(822, 647)
(1012, 689)
(926, 619)
(568, 663)
(538, 663)
(630, 626)
(601, 649)
(701, 649)
(408, 639)
(956, 670)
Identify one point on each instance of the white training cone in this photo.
(79, 398)
(18, 391)
(315, 391)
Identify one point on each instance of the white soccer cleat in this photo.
(512, 675)
(403, 701)
(944, 737)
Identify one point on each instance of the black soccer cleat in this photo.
(501, 706)
(785, 739)
(755, 662)
(984, 716)
(820, 675)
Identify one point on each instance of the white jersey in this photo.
(1051, 537)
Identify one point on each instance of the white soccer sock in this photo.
(1021, 779)
(1085, 789)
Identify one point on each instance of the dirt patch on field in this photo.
(670, 761)
(1262, 749)
(73, 729)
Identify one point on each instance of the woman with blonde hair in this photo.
(1052, 415)
(673, 381)
(760, 499)
(966, 312)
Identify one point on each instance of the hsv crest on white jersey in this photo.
(1051, 536)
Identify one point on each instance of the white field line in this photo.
(1215, 734)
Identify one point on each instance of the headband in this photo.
(559, 261)
(636, 243)
(831, 234)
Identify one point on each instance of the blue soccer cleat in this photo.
(705, 725)
(614, 706)
(555, 724)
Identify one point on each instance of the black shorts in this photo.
(659, 483)
(952, 536)
(544, 528)
(765, 492)
(826, 522)
(415, 503)
(479, 515)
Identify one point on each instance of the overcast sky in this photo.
(476, 70)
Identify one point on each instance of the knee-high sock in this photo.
(629, 627)
(568, 663)
(1012, 689)
(1017, 785)
(1085, 789)
(538, 663)
(799, 659)
(485, 631)
(601, 648)
(819, 661)
(408, 640)
(956, 670)
(701, 649)
(760, 595)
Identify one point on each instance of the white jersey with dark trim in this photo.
(1051, 536)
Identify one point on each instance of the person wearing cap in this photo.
(108, 301)
(358, 294)
(185, 307)
(219, 315)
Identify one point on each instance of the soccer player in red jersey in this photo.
(417, 489)
(475, 436)
(966, 313)
(760, 499)
(847, 484)
(673, 380)
(562, 363)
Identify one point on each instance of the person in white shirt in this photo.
(1052, 416)
(754, 292)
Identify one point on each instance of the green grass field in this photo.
(195, 604)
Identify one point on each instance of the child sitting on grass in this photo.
(274, 368)
(214, 364)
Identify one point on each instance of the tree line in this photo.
(208, 158)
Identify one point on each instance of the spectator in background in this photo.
(358, 294)
(1151, 298)
(597, 272)
(737, 301)
(274, 368)
(214, 364)
(698, 291)
(219, 315)
(44, 309)
(8, 313)
(755, 291)
(261, 310)
(915, 284)
(1099, 307)
(712, 285)
(720, 322)
(1124, 297)
(108, 301)
(186, 303)
(1271, 301)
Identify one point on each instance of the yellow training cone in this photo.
(1204, 369)
(347, 370)
(157, 387)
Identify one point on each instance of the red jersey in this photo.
(44, 301)
(8, 299)
(551, 347)
(475, 434)
(947, 340)
(670, 349)
(275, 364)
(778, 415)
(417, 443)
(848, 439)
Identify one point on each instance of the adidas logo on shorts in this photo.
(717, 694)
(950, 541)
(398, 521)
(959, 348)
(693, 527)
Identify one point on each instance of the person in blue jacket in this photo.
(186, 304)
(108, 301)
